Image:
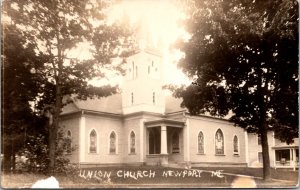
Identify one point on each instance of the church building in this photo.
(142, 126)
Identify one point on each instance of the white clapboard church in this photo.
(141, 126)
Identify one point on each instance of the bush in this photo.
(36, 152)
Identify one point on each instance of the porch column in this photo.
(163, 140)
(294, 159)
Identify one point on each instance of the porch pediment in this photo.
(165, 122)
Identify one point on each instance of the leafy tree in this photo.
(243, 57)
(56, 27)
(19, 86)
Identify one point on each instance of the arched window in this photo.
(93, 141)
(132, 142)
(69, 142)
(112, 143)
(175, 142)
(200, 143)
(235, 145)
(219, 142)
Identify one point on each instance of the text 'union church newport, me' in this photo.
(142, 126)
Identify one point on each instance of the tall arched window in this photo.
(69, 142)
(219, 142)
(93, 141)
(235, 145)
(200, 143)
(175, 142)
(132, 142)
(112, 143)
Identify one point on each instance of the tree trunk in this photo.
(13, 155)
(265, 153)
(6, 159)
(54, 129)
(58, 104)
(52, 148)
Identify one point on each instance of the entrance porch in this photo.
(164, 142)
(286, 157)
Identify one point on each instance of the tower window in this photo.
(152, 63)
(132, 69)
(153, 97)
(136, 70)
(148, 69)
(131, 97)
(259, 140)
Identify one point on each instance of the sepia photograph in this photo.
(149, 94)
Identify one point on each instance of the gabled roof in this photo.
(110, 104)
(113, 104)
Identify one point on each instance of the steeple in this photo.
(143, 34)
(142, 85)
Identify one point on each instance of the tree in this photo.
(54, 28)
(20, 86)
(243, 57)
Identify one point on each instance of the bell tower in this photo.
(142, 85)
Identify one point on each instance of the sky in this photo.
(161, 18)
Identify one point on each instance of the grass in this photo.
(206, 180)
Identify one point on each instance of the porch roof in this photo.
(166, 122)
(285, 147)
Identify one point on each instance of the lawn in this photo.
(154, 176)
